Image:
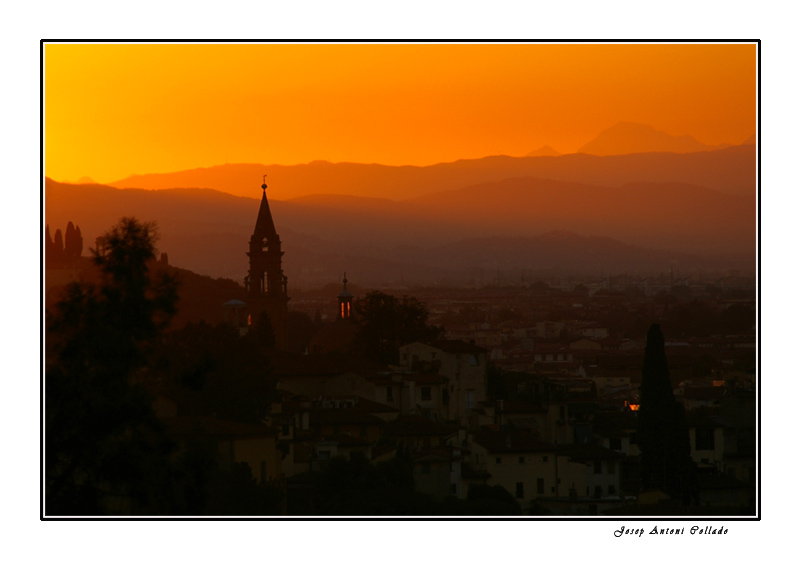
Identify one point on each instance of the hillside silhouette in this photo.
(667, 216)
(206, 231)
(731, 170)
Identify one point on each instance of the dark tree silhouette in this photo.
(58, 246)
(78, 241)
(237, 493)
(357, 487)
(300, 330)
(69, 241)
(663, 436)
(105, 451)
(263, 331)
(49, 246)
(73, 242)
(213, 371)
(50, 257)
(581, 289)
(483, 499)
(387, 322)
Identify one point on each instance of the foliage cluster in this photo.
(387, 322)
(105, 450)
(210, 370)
(103, 443)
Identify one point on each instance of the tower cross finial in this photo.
(264, 185)
(345, 281)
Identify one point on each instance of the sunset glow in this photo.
(393, 280)
(112, 110)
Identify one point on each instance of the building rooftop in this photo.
(506, 441)
(343, 416)
(588, 452)
(416, 425)
(454, 346)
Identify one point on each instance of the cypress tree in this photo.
(58, 247)
(78, 242)
(663, 435)
(69, 241)
(49, 246)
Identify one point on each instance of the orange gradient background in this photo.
(112, 110)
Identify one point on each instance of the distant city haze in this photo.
(114, 110)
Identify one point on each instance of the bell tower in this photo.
(265, 283)
(345, 301)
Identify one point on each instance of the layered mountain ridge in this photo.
(680, 203)
(730, 170)
(428, 238)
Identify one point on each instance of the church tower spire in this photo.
(265, 283)
(265, 227)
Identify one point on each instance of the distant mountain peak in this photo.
(545, 150)
(631, 138)
(85, 180)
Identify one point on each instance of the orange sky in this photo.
(112, 110)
